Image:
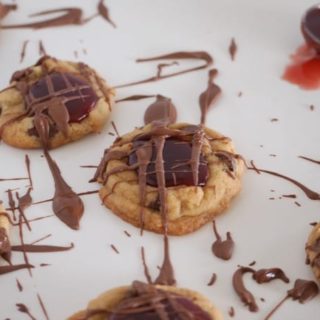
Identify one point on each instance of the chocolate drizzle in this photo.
(66, 204)
(40, 248)
(12, 268)
(23, 50)
(180, 55)
(104, 12)
(148, 303)
(68, 16)
(309, 159)
(308, 192)
(209, 96)
(260, 276)
(222, 249)
(161, 110)
(246, 296)
(302, 291)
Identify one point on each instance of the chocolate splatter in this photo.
(222, 249)
(19, 285)
(113, 247)
(136, 97)
(212, 280)
(209, 96)
(42, 306)
(127, 233)
(42, 49)
(145, 266)
(231, 312)
(24, 309)
(233, 48)
(104, 12)
(115, 128)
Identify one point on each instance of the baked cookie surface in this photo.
(198, 167)
(140, 301)
(313, 250)
(69, 99)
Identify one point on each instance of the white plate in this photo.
(271, 232)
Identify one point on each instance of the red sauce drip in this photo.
(304, 70)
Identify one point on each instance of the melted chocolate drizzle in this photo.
(12, 268)
(180, 55)
(222, 249)
(136, 97)
(308, 192)
(161, 110)
(246, 296)
(260, 276)
(104, 13)
(302, 291)
(309, 159)
(40, 248)
(66, 204)
(23, 50)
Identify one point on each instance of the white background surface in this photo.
(271, 232)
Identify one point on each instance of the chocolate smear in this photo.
(302, 291)
(66, 204)
(23, 50)
(267, 275)
(309, 159)
(246, 296)
(212, 280)
(40, 248)
(5, 9)
(308, 192)
(211, 94)
(222, 249)
(42, 306)
(161, 110)
(24, 309)
(104, 12)
(233, 48)
(180, 55)
(68, 16)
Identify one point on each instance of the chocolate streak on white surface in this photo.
(180, 55)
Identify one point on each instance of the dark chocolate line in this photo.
(113, 247)
(104, 13)
(233, 48)
(28, 166)
(136, 97)
(115, 128)
(212, 280)
(41, 239)
(43, 308)
(40, 248)
(145, 266)
(12, 268)
(42, 50)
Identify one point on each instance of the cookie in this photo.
(144, 301)
(192, 180)
(313, 250)
(68, 98)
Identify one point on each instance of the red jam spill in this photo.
(80, 97)
(304, 70)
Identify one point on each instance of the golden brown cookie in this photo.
(198, 166)
(114, 303)
(313, 250)
(69, 99)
